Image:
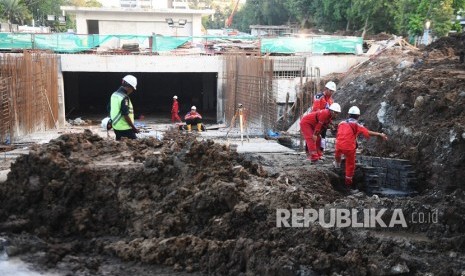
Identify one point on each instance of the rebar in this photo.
(28, 93)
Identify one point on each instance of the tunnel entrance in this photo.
(88, 93)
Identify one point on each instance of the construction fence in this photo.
(28, 94)
(77, 43)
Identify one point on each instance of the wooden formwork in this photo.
(28, 93)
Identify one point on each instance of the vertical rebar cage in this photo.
(249, 81)
(28, 94)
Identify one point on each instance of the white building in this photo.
(137, 21)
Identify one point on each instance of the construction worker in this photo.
(311, 126)
(323, 100)
(175, 110)
(346, 144)
(193, 118)
(122, 111)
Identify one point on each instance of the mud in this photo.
(83, 205)
(417, 98)
(88, 206)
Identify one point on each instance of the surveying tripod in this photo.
(242, 123)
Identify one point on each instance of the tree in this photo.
(93, 3)
(217, 20)
(260, 12)
(438, 12)
(300, 10)
(249, 14)
(83, 3)
(441, 17)
(39, 10)
(403, 11)
(368, 13)
(274, 12)
(14, 11)
(458, 5)
(332, 15)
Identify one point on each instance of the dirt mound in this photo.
(199, 206)
(378, 37)
(452, 44)
(419, 103)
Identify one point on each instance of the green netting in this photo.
(315, 45)
(166, 43)
(72, 43)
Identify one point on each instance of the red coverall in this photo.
(193, 117)
(320, 102)
(312, 124)
(174, 112)
(347, 133)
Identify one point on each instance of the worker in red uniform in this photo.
(346, 144)
(175, 111)
(324, 100)
(311, 126)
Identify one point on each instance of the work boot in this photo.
(336, 165)
(199, 127)
(189, 128)
(348, 181)
(320, 155)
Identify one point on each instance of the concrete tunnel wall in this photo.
(208, 68)
(88, 93)
(196, 80)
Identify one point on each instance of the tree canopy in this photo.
(25, 11)
(403, 17)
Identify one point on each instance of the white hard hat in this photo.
(193, 107)
(131, 80)
(331, 85)
(175, 97)
(354, 110)
(105, 123)
(335, 107)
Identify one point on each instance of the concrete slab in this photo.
(258, 147)
(255, 145)
(221, 133)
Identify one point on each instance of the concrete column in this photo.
(61, 96)
(220, 116)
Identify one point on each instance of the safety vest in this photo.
(118, 121)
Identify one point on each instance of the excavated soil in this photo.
(83, 205)
(418, 99)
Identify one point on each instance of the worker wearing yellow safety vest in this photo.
(122, 111)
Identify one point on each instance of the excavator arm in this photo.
(229, 21)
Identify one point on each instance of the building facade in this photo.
(137, 21)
